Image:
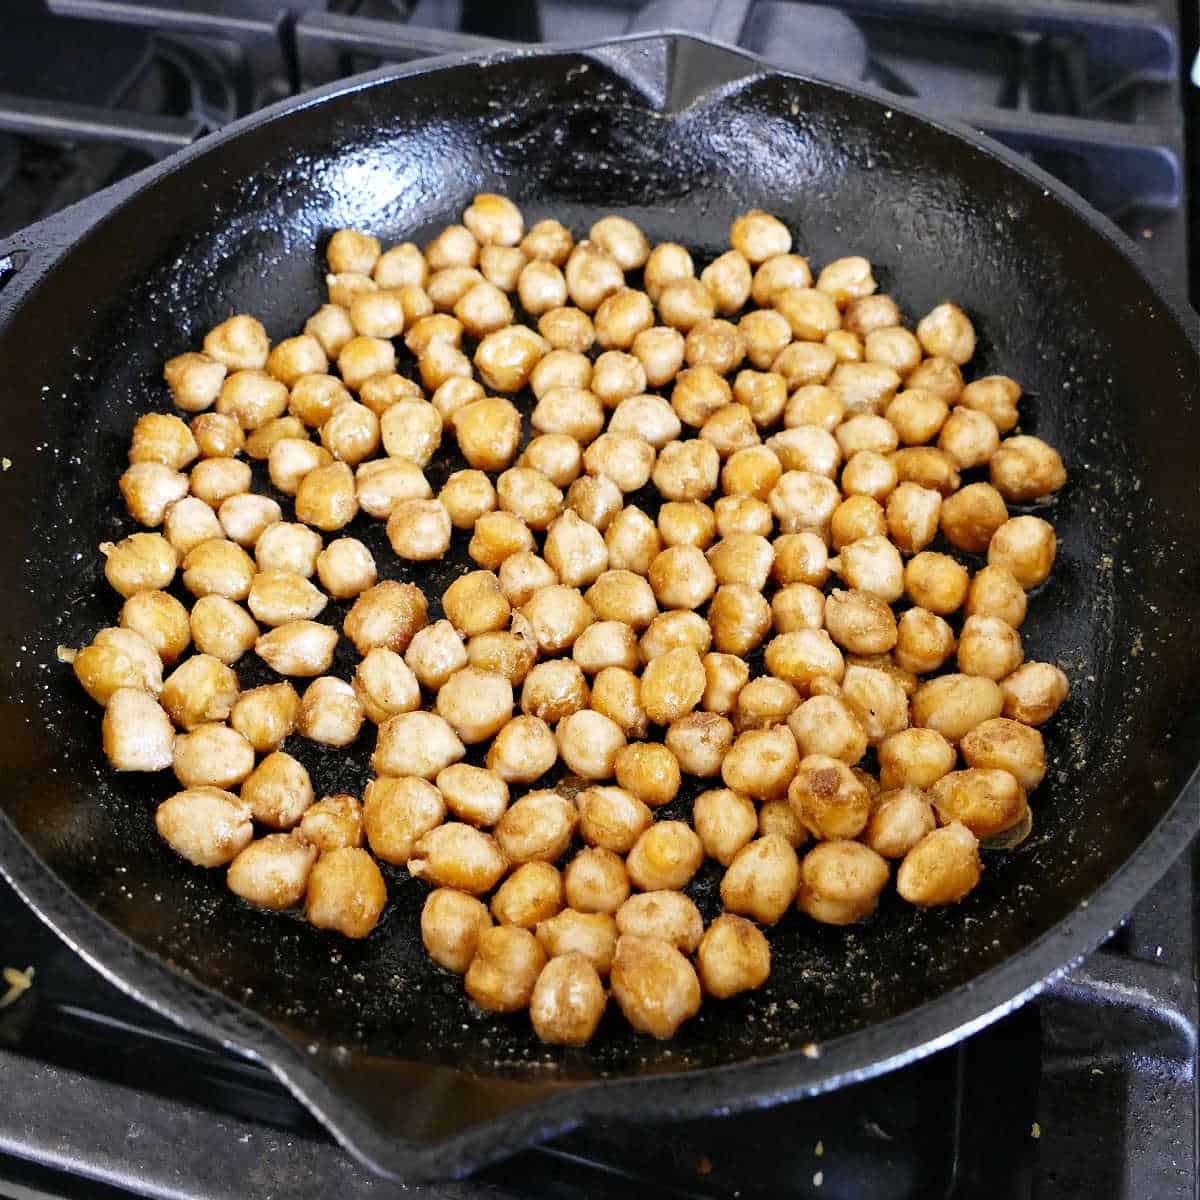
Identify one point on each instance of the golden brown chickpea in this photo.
(936, 582)
(346, 568)
(728, 281)
(345, 287)
(828, 798)
(278, 791)
(472, 794)
(195, 380)
(434, 652)
(828, 727)
(523, 574)
(362, 357)
(941, 868)
(761, 880)
(1006, 745)
(606, 644)
(996, 592)
(899, 820)
(797, 606)
(455, 246)
(733, 957)
(273, 871)
(332, 823)
(596, 883)
(277, 597)
(488, 431)
(846, 345)
(386, 685)
(218, 435)
(524, 750)
(802, 656)
(765, 702)
(803, 501)
(266, 715)
(476, 704)
(776, 817)
(989, 647)
(938, 376)
(532, 893)
(765, 333)
(575, 550)
(758, 236)
(136, 732)
(240, 343)
(847, 279)
(437, 327)
(216, 568)
(617, 693)
(164, 439)
(150, 489)
(648, 771)
(245, 517)
(200, 689)
(410, 429)
(725, 822)
(672, 685)
(212, 755)
(947, 331)
(869, 474)
(840, 882)
(549, 240)
(567, 1001)
(419, 530)
(622, 240)
(588, 743)
(761, 763)
(290, 460)
(456, 856)
(613, 819)
(668, 263)
(620, 595)
(857, 517)
(510, 653)
(330, 712)
(416, 303)
(416, 743)
(740, 617)
(620, 318)
(954, 704)
(804, 364)
(665, 857)
(554, 690)
(776, 273)
(864, 387)
(617, 376)
(800, 558)
(400, 265)
(987, 801)
(326, 498)
(633, 543)
(350, 250)
(494, 220)
(592, 275)
(925, 641)
(497, 536)
(376, 314)
(893, 346)
(654, 985)
(537, 828)
(927, 466)
(917, 416)
(1026, 547)
(451, 922)
(207, 826)
(868, 313)
(969, 437)
(996, 396)
(450, 395)
(259, 444)
(667, 915)
(541, 288)
(567, 329)
(292, 358)
(561, 369)
(474, 603)
(878, 699)
(223, 629)
(466, 496)
(160, 620)
(1033, 693)
(482, 307)
(346, 892)
(860, 622)
(672, 629)
(213, 480)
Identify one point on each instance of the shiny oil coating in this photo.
(1055, 305)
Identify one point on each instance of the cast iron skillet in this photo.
(681, 135)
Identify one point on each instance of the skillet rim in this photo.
(773, 1078)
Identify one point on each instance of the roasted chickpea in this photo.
(362, 357)
(660, 350)
(893, 346)
(466, 496)
(648, 771)
(221, 628)
(326, 498)
(532, 893)
(588, 743)
(416, 743)
(554, 690)
(802, 656)
(996, 592)
(245, 517)
(617, 376)
(733, 957)
(434, 652)
(668, 915)
(567, 1001)
(455, 246)
(596, 882)
(575, 550)
(917, 416)
(571, 411)
(299, 648)
(266, 715)
(346, 892)
(828, 727)
(765, 702)
(261, 441)
(294, 357)
(728, 280)
(725, 822)
(1033, 693)
(288, 547)
(740, 618)
(665, 857)
(212, 755)
(617, 693)
(350, 250)
(494, 220)
(802, 500)
(668, 263)
(807, 448)
(213, 480)
(899, 820)
(989, 647)
(273, 871)
(437, 327)
(217, 567)
(277, 597)
(522, 574)
(549, 240)
(476, 704)
(972, 515)
(592, 276)
(164, 439)
(939, 376)
(941, 868)
(419, 530)
(1026, 546)
(776, 273)
(936, 582)
(218, 435)
(398, 813)
(541, 287)
(400, 265)
(612, 819)
(869, 474)
(741, 515)
(758, 236)
(622, 240)
(200, 689)
(524, 750)
(654, 985)
(567, 329)
(1006, 745)
(239, 343)
(330, 712)
(451, 922)
(687, 470)
(761, 763)
(558, 615)
(927, 466)
(797, 606)
(954, 704)
(537, 828)
(700, 742)
(620, 318)
(345, 287)
(137, 734)
(800, 558)
(840, 882)
(291, 460)
(996, 396)
(988, 801)
(857, 517)
(207, 826)
(149, 489)
(777, 817)
(828, 798)
(160, 620)
(947, 331)
(450, 395)
(878, 699)
(195, 380)
(765, 333)
(761, 880)
(488, 431)
(913, 514)
(633, 543)
(924, 643)
(805, 364)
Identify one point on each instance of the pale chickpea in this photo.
(362, 357)
(869, 474)
(451, 922)
(222, 628)
(567, 1001)
(857, 517)
(592, 275)
(522, 574)
(700, 742)
(149, 489)
(455, 246)
(434, 653)
(277, 597)
(344, 287)
(687, 470)
(728, 280)
(828, 798)
(941, 868)
(606, 644)
(260, 442)
(556, 458)
(759, 236)
(388, 614)
(558, 615)
(617, 376)
(996, 396)
(299, 648)
(1006, 745)
(494, 220)
(989, 647)
(195, 380)
(415, 303)
(419, 530)
(864, 387)
(807, 448)
(893, 346)
(537, 828)
(654, 985)
(207, 826)
(765, 333)
(988, 801)
(621, 239)
(523, 751)
(377, 314)
(744, 558)
(346, 568)
(913, 515)
(803, 656)
(245, 517)
(996, 592)
(1026, 547)
(954, 704)
(633, 543)
(467, 496)
(410, 430)
(273, 871)
(740, 617)
(136, 732)
(761, 881)
(733, 957)
(877, 698)
(595, 883)
(777, 817)
(868, 313)
(482, 307)
(350, 250)
(488, 432)
(972, 515)
(847, 279)
(803, 501)
(797, 606)
(416, 743)
(765, 702)
(668, 262)
(288, 547)
(448, 397)
(761, 763)
(725, 822)
(925, 641)
(840, 882)
(213, 480)
(698, 393)
(291, 459)
(917, 415)
(936, 582)
(928, 466)
(617, 693)
(805, 364)
(571, 411)
(476, 704)
(620, 318)
(330, 712)
(200, 689)
(828, 726)
(397, 813)
(239, 343)
(668, 915)
(899, 820)
(217, 567)
(472, 794)
(218, 435)
(532, 893)
(567, 329)
(810, 314)
(266, 715)
(776, 273)
(561, 369)
(1033, 693)
(625, 458)
(947, 331)
(212, 755)
(554, 690)
(541, 287)
(969, 437)
(160, 620)
(665, 857)
(741, 515)
(400, 265)
(612, 819)
(588, 743)
(939, 376)
(346, 892)
(661, 351)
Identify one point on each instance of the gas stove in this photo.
(1090, 1090)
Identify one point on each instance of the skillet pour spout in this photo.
(681, 135)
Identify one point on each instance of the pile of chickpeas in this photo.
(755, 511)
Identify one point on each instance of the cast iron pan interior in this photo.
(680, 136)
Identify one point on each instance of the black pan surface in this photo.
(680, 135)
